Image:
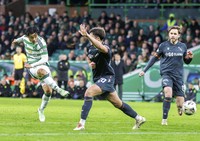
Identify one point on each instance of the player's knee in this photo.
(47, 90)
(89, 93)
(41, 73)
(168, 91)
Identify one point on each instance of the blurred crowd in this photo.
(134, 43)
(86, 2)
(125, 36)
(29, 87)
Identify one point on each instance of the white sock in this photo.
(45, 100)
(82, 121)
(49, 81)
(138, 117)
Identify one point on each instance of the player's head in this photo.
(32, 33)
(98, 33)
(174, 33)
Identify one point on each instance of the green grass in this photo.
(19, 122)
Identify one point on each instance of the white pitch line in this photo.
(100, 133)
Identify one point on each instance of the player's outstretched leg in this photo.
(116, 101)
(179, 102)
(180, 110)
(139, 121)
(166, 108)
(130, 112)
(84, 113)
(41, 115)
(49, 81)
(45, 101)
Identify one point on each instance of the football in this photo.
(189, 107)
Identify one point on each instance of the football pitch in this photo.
(19, 122)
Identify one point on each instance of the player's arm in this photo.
(149, 64)
(188, 57)
(18, 40)
(98, 44)
(156, 57)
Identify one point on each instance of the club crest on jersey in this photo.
(29, 51)
(165, 81)
(180, 48)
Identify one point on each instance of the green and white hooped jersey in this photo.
(34, 52)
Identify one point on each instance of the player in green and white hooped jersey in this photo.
(37, 65)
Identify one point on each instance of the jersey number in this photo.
(103, 80)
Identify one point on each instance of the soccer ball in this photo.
(189, 107)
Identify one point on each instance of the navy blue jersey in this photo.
(172, 58)
(102, 61)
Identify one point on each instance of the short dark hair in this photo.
(31, 30)
(99, 32)
(175, 27)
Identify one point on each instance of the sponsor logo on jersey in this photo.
(171, 54)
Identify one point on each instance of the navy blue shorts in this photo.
(106, 83)
(175, 83)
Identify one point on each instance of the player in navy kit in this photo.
(99, 58)
(171, 53)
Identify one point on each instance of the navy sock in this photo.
(166, 106)
(128, 110)
(86, 107)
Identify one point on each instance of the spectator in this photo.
(72, 88)
(62, 72)
(85, 18)
(119, 69)
(135, 28)
(81, 89)
(191, 92)
(30, 90)
(5, 89)
(128, 66)
(170, 22)
(103, 16)
(193, 26)
(80, 75)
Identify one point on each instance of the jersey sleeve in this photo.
(185, 50)
(43, 48)
(159, 51)
(185, 59)
(20, 39)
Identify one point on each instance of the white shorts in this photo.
(33, 71)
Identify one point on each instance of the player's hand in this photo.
(92, 65)
(141, 73)
(28, 66)
(83, 30)
(189, 54)
(13, 42)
